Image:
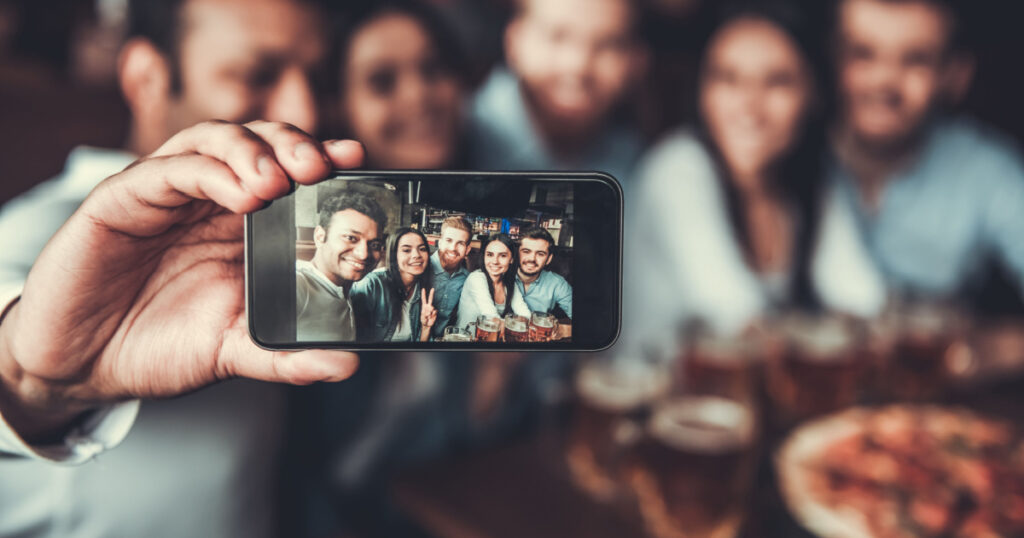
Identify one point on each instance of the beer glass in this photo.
(720, 365)
(613, 396)
(924, 345)
(693, 470)
(820, 370)
(456, 334)
(516, 329)
(487, 328)
(542, 327)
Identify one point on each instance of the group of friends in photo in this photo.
(825, 165)
(341, 295)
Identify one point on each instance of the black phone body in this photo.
(288, 255)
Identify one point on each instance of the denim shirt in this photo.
(447, 290)
(937, 220)
(548, 290)
(372, 302)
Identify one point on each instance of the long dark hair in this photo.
(799, 176)
(509, 278)
(394, 278)
(354, 15)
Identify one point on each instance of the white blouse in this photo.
(476, 300)
(683, 261)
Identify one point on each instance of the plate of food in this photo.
(904, 471)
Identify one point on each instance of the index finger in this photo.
(431, 301)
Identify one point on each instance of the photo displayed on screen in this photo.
(413, 261)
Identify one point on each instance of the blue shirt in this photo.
(447, 290)
(503, 136)
(959, 202)
(548, 290)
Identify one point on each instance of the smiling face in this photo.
(411, 255)
(755, 92)
(574, 68)
(497, 258)
(894, 67)
(452, 247)
(245, 60)
(348, 249)
(399, 99)
(534, 256)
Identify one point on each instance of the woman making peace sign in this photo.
(393, 304)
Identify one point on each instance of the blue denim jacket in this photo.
(372, 303)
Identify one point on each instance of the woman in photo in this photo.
(394, 304)
(491, 291)
(733, 218)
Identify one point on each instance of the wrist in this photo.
(29, 404)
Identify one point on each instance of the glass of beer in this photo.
(613, 396)
(820, 370)
(720, 365)
(487, 328)
(693, 470)
(923, 349)
(542, 326)
(456, 334)
(516, 329)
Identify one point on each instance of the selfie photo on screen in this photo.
(419, 261)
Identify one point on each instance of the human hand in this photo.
(428, 314)
(140, 293)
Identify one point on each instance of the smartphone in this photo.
(411, 260)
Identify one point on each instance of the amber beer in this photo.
(612, 396)
(820, 370)
(918, 368)
(542, 326)
(516, 329)
(693, 470)
(487, 329)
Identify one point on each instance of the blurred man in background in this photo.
(936, 194)
(202, 464)
(554, 107)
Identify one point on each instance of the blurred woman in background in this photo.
(732, 218)
(401, 78)
(399, 91)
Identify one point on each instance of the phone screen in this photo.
(432, 260)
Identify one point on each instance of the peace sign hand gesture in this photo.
(428, 314)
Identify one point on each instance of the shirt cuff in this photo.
(101, 430)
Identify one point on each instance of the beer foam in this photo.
(821, 337)
(702, 424)
(621, 387)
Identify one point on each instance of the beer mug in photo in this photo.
(542, 327)
(517, 329)
(487, 328)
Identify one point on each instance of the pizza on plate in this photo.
(905, 471)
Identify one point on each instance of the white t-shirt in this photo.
(403, 333)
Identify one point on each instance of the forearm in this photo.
(30, 405)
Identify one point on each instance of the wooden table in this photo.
(523, 489)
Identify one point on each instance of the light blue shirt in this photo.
(548, 290)
(503, 136)
(447, 291)
(937, 221)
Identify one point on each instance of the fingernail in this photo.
(305, 151)
(264, 166)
